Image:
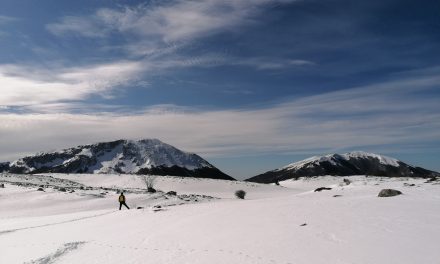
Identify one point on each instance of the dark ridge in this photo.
(211, 173)
(4, 167)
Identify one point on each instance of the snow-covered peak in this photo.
(153, 152)
(120, 156)
(335, 159)
(152, 142)
(352, 163)
(312, 160)
(382, 159)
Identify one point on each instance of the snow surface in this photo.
(382, 159)
(267, 227)
(153, 153)
(311, 160)
(108, 160)
(186, 185)
(333, 159)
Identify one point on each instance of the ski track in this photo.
(52, 258)
(57, 223)
(68, 247)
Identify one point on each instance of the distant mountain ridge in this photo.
(147, 156)
(4, 166)
(353, 163)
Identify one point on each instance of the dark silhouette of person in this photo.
(122, 201)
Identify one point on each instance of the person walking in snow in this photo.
(122, 201)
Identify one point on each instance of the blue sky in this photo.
(251, 85)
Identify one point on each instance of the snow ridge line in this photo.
(57, 223)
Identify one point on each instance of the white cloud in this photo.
(21, 85)
(24, 85)
(392, 113)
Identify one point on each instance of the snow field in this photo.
(356, 227)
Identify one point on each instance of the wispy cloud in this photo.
(26, 85)
(154, 33)
(384, 114)
(220, 59)
(7, 19)
(162, 28)
(238, 91)
(169, 21)
(261, 63)
(38, 84)
(87, 27)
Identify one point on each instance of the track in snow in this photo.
(57, 223)
(52, 258)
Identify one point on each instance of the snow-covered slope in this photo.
(148, 156)
(287, 224)
(336, 159)
(353, 163)
(212, 187)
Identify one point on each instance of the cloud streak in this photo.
(152, 36)
(30, 85)
(24, 85)
(384, 114)
(161, 29)
(7, 19)
(78, 25)
(169, 22)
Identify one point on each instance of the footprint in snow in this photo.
(52, 258)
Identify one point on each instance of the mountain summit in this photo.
(147, 156)
(353, 163)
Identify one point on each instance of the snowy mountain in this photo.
(148, 156)
(353, 163)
